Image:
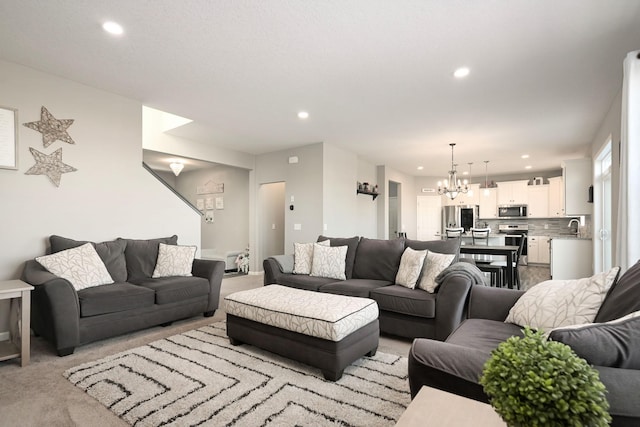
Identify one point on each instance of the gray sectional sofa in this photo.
(371, 268)
(68, 318)
(613, 349)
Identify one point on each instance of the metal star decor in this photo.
(51, 128)
(50, 165)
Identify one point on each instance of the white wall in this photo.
(110, 195)
(272, 212)
(407, 202)
(340, 200)
(230, 229)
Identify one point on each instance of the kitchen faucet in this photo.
(576, 222)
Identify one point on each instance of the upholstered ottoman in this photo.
(326, 331)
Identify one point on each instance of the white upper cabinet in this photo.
(538, 201)
(488, 203)
(556, 197)
(578, 176)
(513, 193)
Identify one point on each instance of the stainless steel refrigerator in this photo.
(463, 216)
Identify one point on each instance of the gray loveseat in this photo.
(613, 349)
(68, 318)
(371, 268)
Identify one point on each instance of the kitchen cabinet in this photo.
(513, 192)
(577, 176)
(571, 258)
(488, 201)
(538, 249)
(556, 197)
(538, 201)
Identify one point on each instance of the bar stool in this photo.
(453, 233)
(516, 263)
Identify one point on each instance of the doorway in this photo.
(395, 216)
(271, 200)
(429, 217)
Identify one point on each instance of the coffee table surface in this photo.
(436, 408)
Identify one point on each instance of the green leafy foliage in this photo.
(532, 381)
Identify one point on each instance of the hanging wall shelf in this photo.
(369, 193)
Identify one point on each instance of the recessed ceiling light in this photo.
(420, 168)
(525, 156)
(465, 173)
(303, 115)
(528, 167)
(461, 72)
(113, 28)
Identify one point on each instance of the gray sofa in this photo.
(614, 350)
(371, 267)
(68, 318)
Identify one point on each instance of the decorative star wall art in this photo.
(51, 128)
(50, 165)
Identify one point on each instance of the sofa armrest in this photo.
(213, 271)
(451, 302)
(55, 309)
(492, 303)
(623, 394)
(273, 269)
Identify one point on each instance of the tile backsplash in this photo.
(541, 226)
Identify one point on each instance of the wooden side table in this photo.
(436, 408)
(19, 293)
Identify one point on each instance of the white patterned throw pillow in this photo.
(303, 256)
(433, 265)
(174, 260)
(556, 303)
(81, 266)
(329, 261)
(410, 267)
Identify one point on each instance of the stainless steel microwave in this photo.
(512, 211)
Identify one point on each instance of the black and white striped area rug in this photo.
(198, 378)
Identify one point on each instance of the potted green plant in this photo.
(532, 381)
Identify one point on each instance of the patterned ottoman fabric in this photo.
(327, 316)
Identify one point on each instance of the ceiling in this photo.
(375, 76)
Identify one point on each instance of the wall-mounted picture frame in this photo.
(8, 138)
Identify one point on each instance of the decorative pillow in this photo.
(141, 256)
(303, 256)
(174, 260)
(613, 344)
(81, 266)
(352, 243)
(329, 261)
(555, 303)
(433, 265)
(110, 252)
(410, 267)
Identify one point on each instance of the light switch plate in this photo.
(297, 226)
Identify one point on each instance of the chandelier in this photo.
(452, 186)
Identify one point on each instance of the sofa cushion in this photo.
(623, 297)
(354, 287)
(483, 334)
(111, 253)
(113, 298)
(329, 261)
(434, 264)
(303, 256)
(555, 303)
(302, 281)
(410, 267)
(141, 255)
(352, 245)
(449, 246)
(399, 299)
(615, 343)
(378, 259)
(81, 266)
(174, 260)
(179, 288)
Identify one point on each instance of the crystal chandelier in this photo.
(452, 186)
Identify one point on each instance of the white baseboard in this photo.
(256, 273)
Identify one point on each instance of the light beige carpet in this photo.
(198, 378)
(38, 394)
